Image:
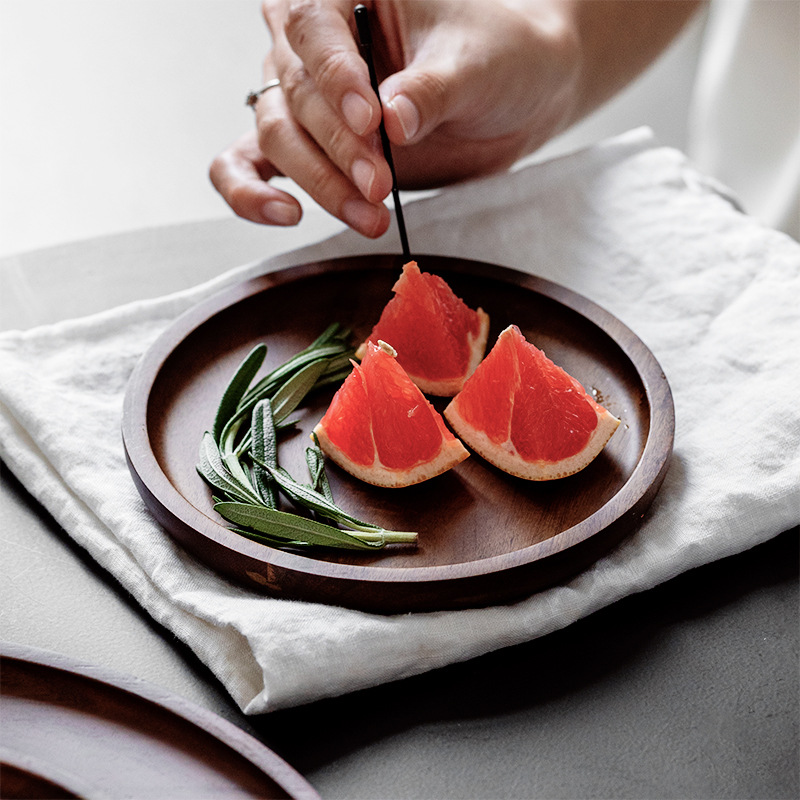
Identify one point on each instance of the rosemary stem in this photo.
(394, 537)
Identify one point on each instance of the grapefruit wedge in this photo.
(526, 415)
(380, 428)
(439, 340)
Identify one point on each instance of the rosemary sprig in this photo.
(315, 501)
(239, 457)
(280, 524)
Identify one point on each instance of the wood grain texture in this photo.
(76, 730)
(485, 537)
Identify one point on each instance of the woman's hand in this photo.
(468, 86)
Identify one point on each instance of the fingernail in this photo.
(362, 216)
(363, 176)
(407, 115)
(280, 213)
(357, 112)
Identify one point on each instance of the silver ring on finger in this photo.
(252, 98)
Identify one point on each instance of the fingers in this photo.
(331, 155)
(321, 37)
(240, 175)
(290, 143)
(358, 158)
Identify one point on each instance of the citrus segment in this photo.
(439, 340)
(380, 428)
(526, 415)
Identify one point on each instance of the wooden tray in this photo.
(73, 730)
(485, 537)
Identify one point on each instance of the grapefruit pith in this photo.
(526, 415)
(439, 340)
(380, 428)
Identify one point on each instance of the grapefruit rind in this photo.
(476, 341)
(376, 474)
(506, 458)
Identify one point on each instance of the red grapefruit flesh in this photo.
(380, 428)
(439, 340)
(526, 415)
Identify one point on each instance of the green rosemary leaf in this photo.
(284, 424)
(333, 331)
(271, 541)
(247, 439)
(231, 461)
(333, 378)
(213, 470)
(343, 362)
(227, 439)
(292, 527)
(293, 392)
(316, 469)
(309, 498)
(237, 387)
(319, 503)
(270, 382)
(265, 448)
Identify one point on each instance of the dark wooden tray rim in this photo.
(123, 702)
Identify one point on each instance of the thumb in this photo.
(417, 100)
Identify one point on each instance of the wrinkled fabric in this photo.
(633, 226)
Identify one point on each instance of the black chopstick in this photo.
(365, 46)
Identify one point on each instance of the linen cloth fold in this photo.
(631, 225)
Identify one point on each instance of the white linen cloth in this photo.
(631, 225)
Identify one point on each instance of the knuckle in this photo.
(270, 128)
(298, 16)
(328, 60)
(270, 10)
(293, 81)
(324, 182)
(334, 62)
(433, 88)
(338, 141)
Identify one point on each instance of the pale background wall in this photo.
(111, 110)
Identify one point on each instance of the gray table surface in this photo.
(689, 690)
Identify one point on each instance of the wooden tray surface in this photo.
(485, 537)
(76, 730)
